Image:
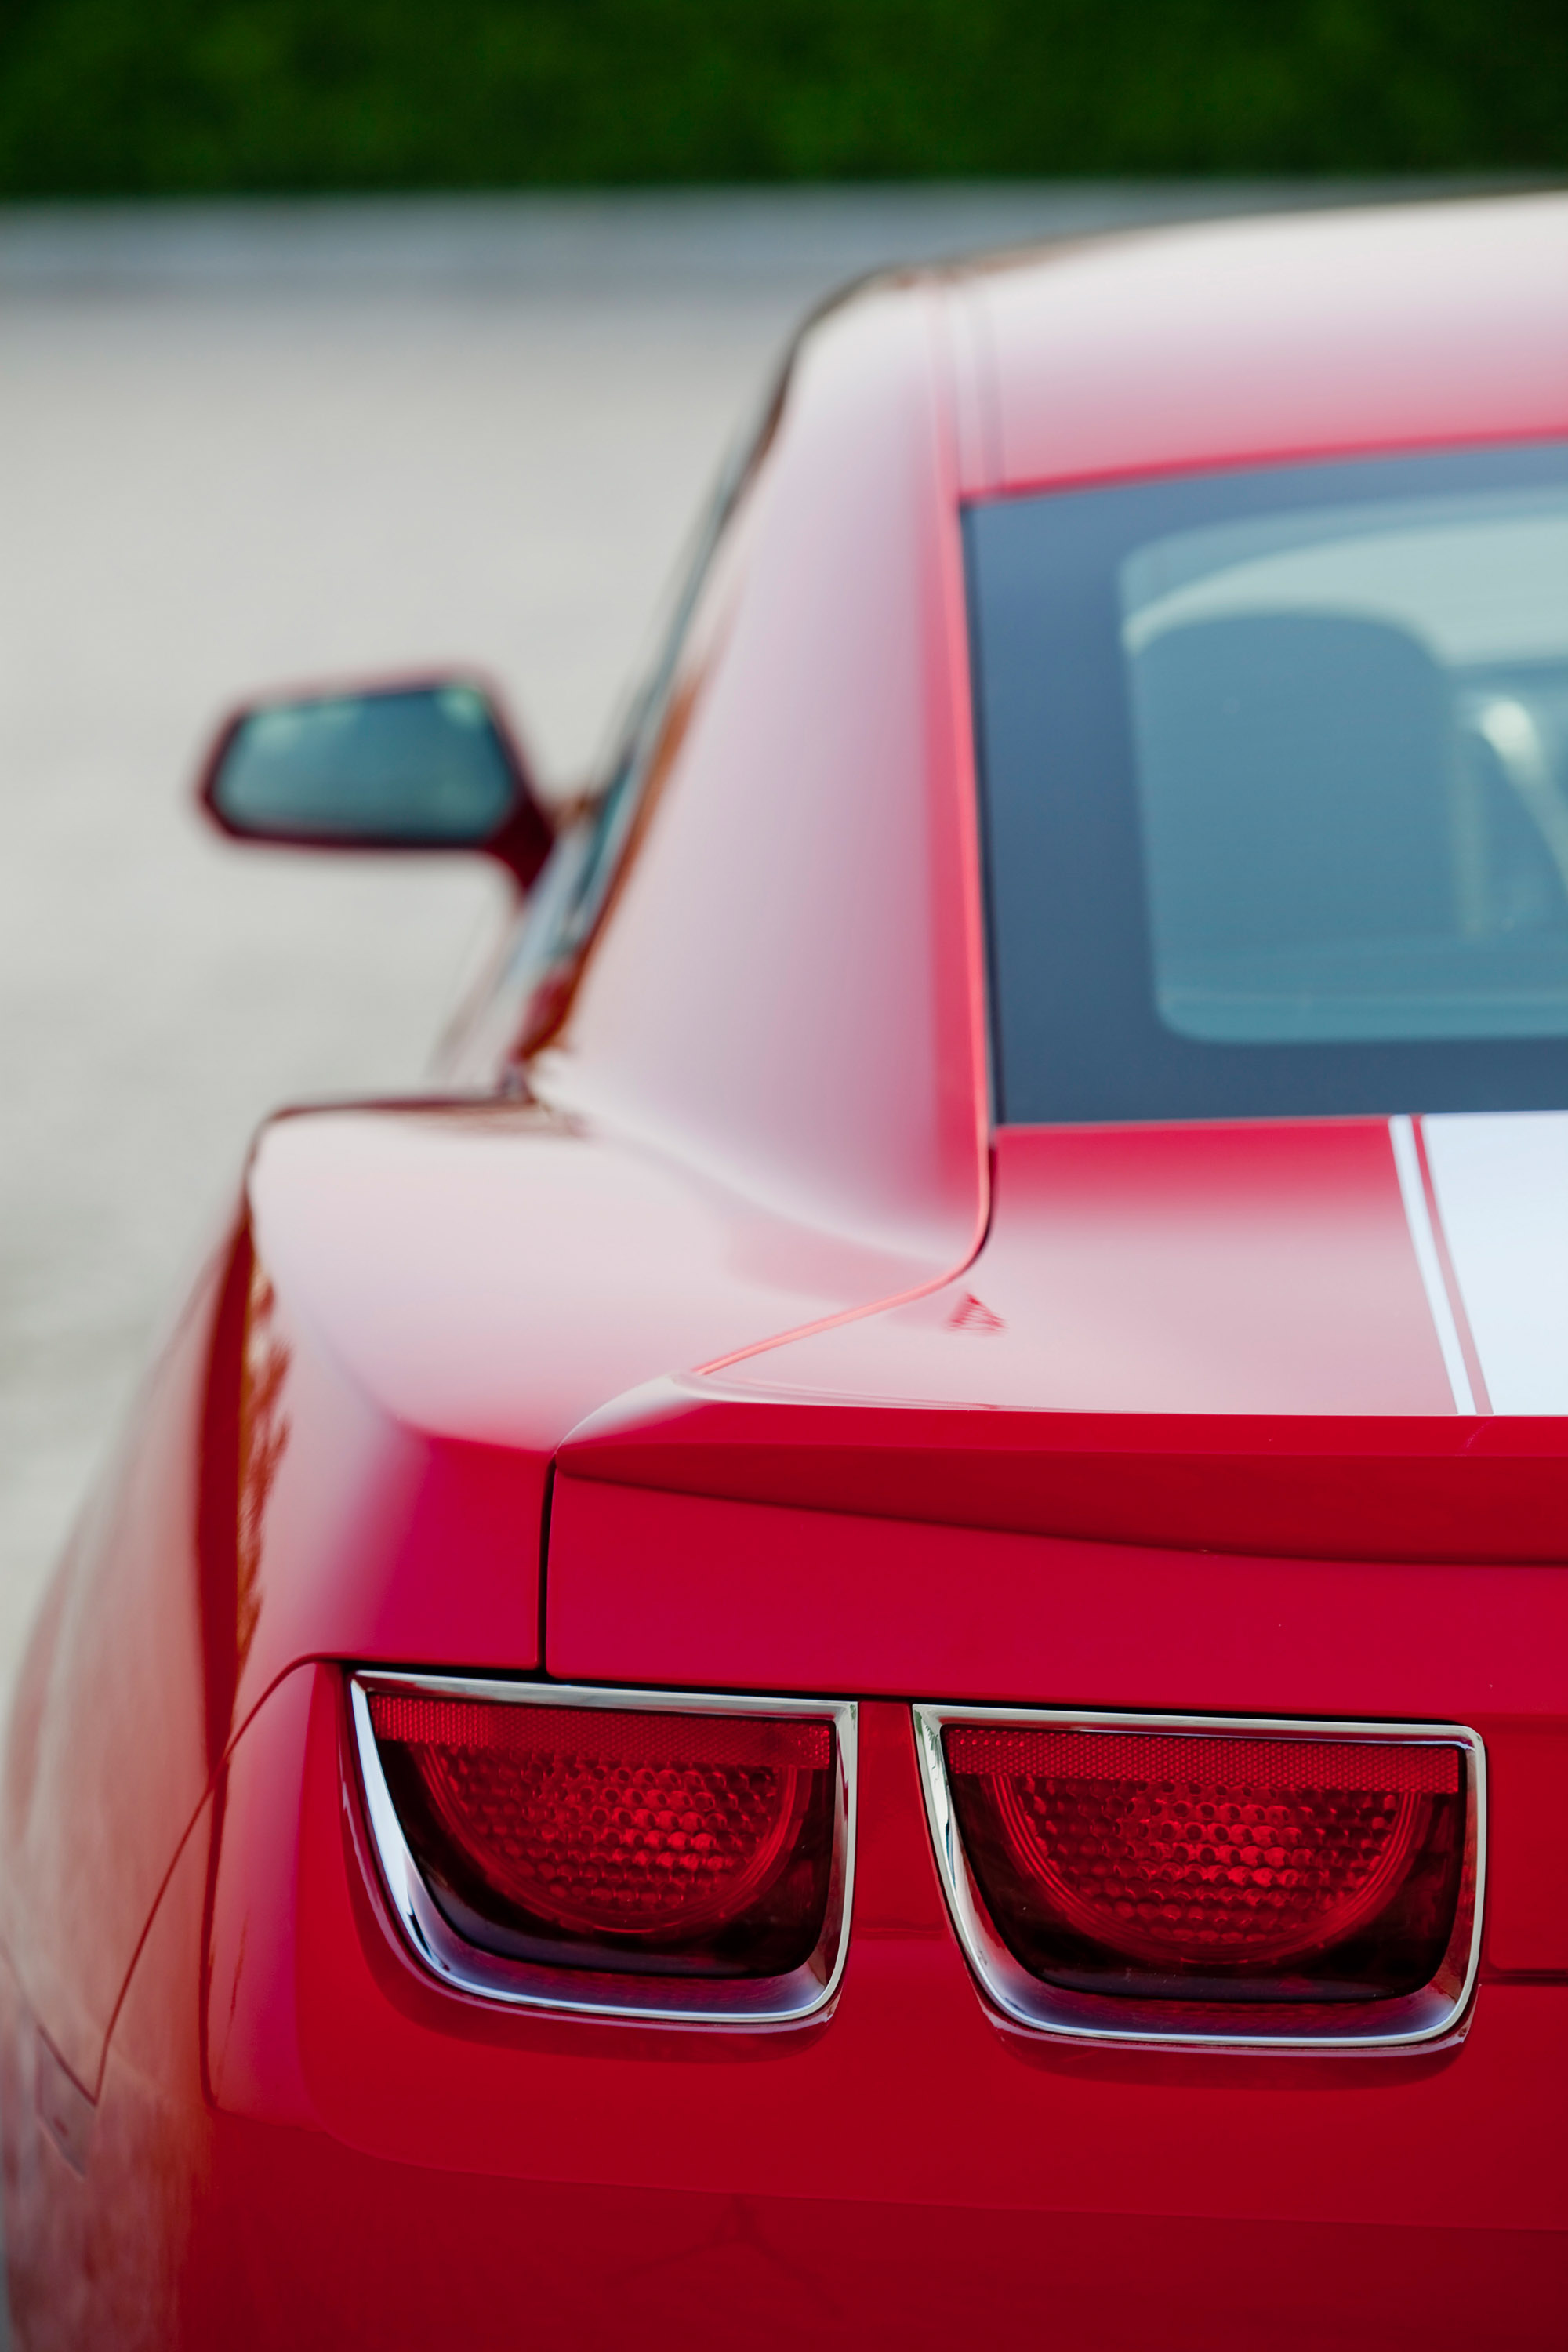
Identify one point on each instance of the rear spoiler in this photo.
(1314, 1488)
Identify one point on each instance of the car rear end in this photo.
(1151, 2018)
(1031, 1795)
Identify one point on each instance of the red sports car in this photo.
(867, 1641)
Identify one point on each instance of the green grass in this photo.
(133, 97)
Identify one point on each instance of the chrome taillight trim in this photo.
(753, 2004)
(1025, 2002)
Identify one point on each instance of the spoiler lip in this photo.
(1432, 1488)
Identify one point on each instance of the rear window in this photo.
(1275, 781)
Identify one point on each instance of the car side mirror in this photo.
(427, 764)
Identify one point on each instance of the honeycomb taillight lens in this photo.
(638, 1841)
(1280, 1882)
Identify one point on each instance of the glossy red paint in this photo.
(375, 1486)
(1323, 1487)
(722, 1346)
(671, 1588)
(1258, 1269)
(790, 989)
(308, 2087)
(114, 1698)
(1269, 339)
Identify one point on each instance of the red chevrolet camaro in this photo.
(867, 1641)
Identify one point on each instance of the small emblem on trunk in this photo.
(970, 1315)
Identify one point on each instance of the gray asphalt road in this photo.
(241, 444)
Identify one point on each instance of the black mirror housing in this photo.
(425, 764)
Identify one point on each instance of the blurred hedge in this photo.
(131, 96)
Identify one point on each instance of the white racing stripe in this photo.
(1406, 1159)
(1501, 1184)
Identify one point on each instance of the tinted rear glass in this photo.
(1275, 781)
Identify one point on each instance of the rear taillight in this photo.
(1175, 1880)
(687, 1845)
(617, 1852)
